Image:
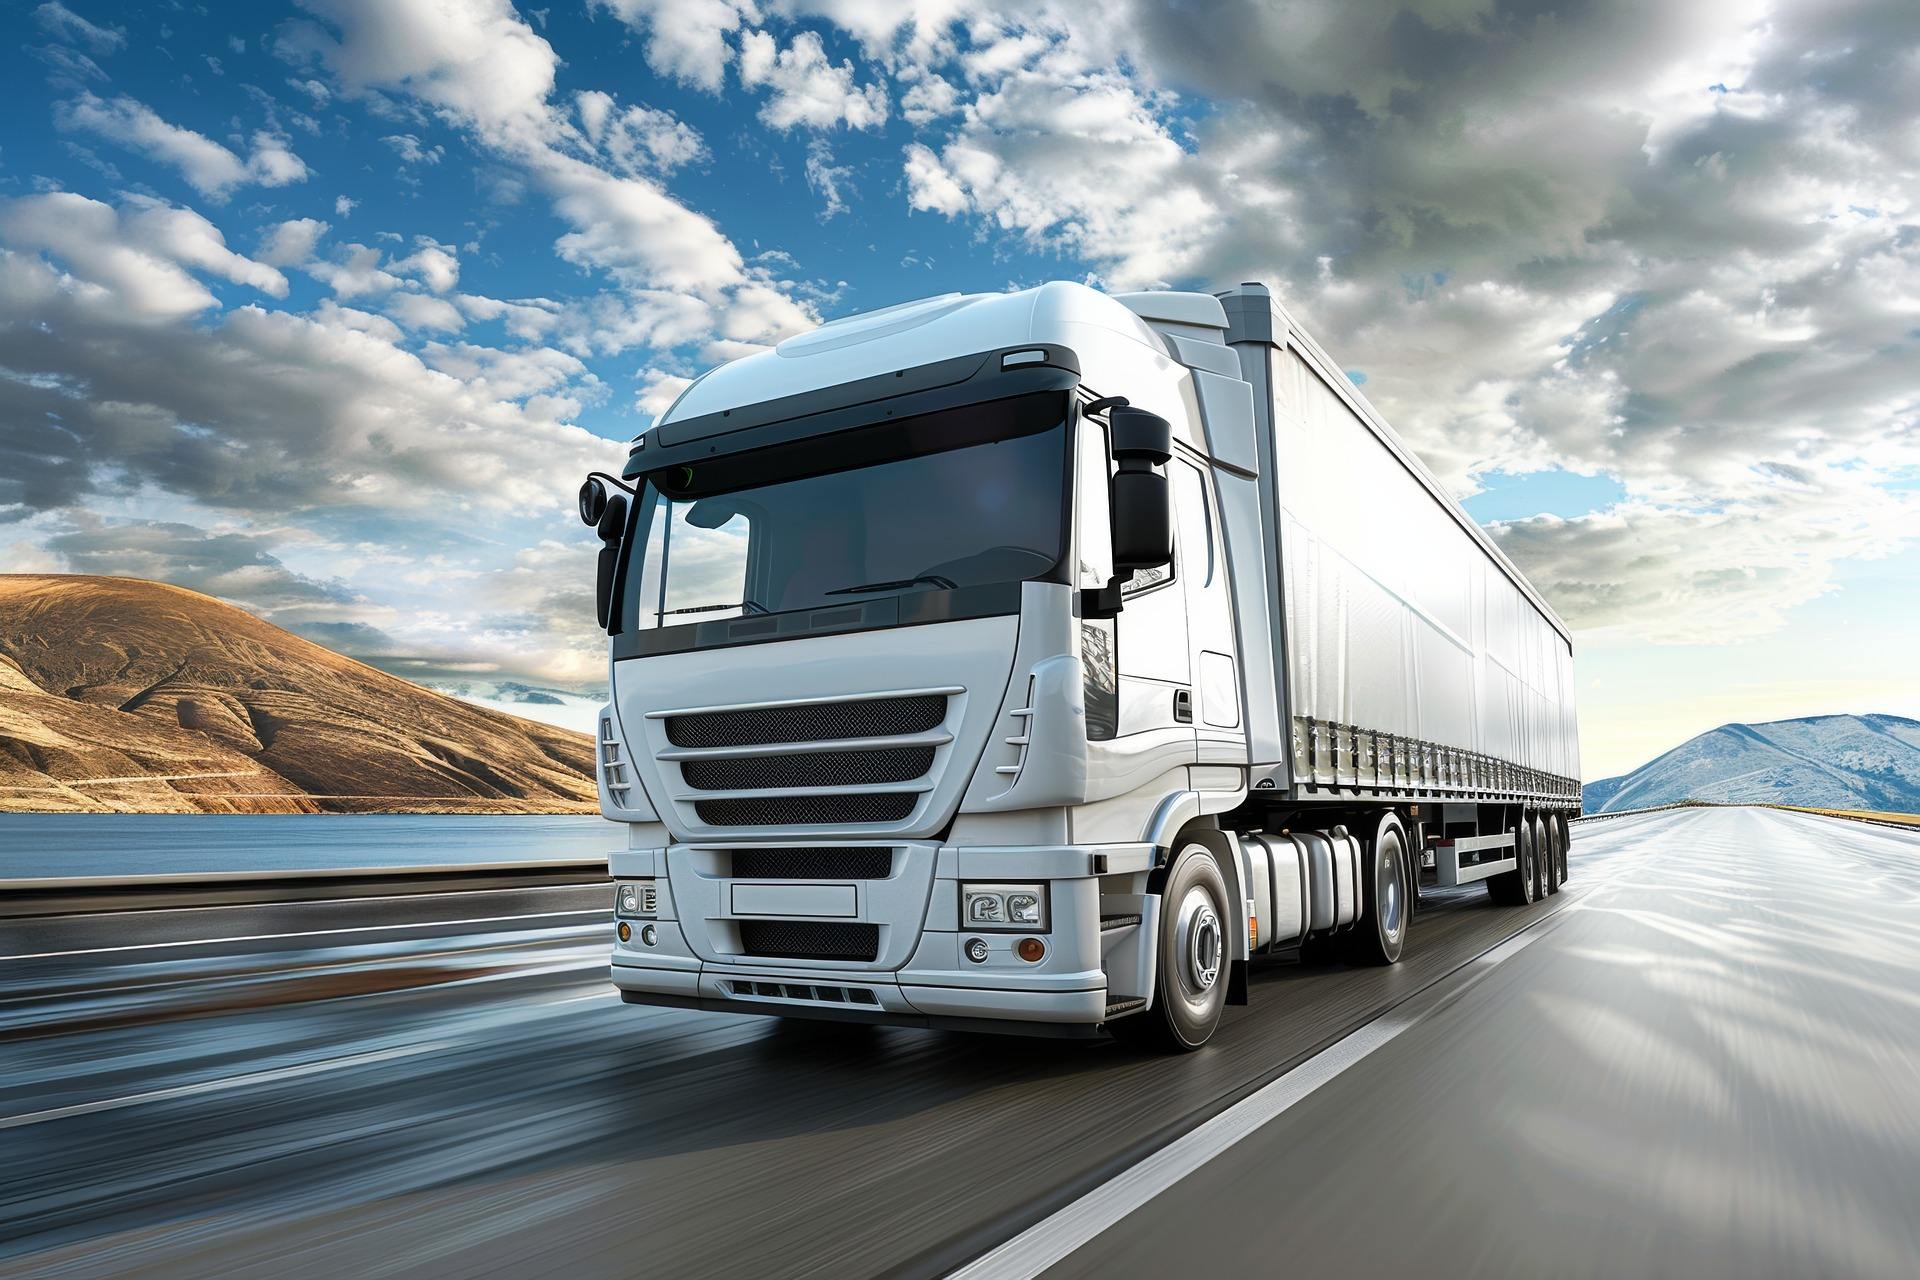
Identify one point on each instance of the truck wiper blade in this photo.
(751, 606)
(896, 584)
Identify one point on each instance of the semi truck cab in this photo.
(950, 682)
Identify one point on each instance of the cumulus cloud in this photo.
(687, 40)
(208, 167)
(408, 148)
(142, 255)
(805, 88)
(638, 139)
(483, 69)
(290, 243)
(1668, 243)
(261, 411)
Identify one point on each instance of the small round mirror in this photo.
(593, 501)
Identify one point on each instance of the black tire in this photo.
(1515, 888)
(1187, 1003)
(1381, 933)
(1563, 846)
(1542, 858)
(1556, 852)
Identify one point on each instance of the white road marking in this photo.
(268, 1076)
(304, 933)
(1050, 1240)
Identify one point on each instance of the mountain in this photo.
(133, 696)
(1822, 762)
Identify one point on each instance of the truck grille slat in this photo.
(813, 769)
(807, 811)
(812, 864)
(811, 722)
(810, 940)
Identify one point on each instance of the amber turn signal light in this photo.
(1030, 949)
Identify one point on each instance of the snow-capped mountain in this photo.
(1825, 762)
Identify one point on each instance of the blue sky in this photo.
(324, 307)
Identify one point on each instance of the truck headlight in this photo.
(1003, 906)
(636, 898)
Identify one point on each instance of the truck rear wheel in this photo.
(1554, 863)
(1542, 857)
(1382, 932)
(1515, 888)
(1563, 845)
(1190, 984)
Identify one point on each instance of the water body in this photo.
(58, 845)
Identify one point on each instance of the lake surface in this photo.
(40, 845)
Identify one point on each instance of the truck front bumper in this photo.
(862, 997)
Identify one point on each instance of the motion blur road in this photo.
(1701, 1059)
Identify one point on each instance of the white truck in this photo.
(1037, 661)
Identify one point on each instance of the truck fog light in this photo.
(1003, 906)
(977, 950)
(1031, 949)
(649, 935)
(625, 931)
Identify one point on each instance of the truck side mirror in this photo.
(611, 524)
(1142, 500)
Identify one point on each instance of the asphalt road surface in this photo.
(1701, 1059)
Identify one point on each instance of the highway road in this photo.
(1701, 1059)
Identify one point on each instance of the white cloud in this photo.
(355, 270)
(290, 243)
(139, 255)
(408, 148)
(420, 311)
(638, 139)
(482, 68)
(804, 88)
(207, 166)
(658, 391)
(686, 39)
(433, 264)
(827, 179)
(63, 23)
(343, 206)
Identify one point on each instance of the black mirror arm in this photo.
(1104, 602)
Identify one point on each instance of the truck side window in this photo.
(1191, 517)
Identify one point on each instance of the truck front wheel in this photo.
(1190, 985)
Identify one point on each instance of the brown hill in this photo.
(133, 696)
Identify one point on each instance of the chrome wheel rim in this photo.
(1392, 903)
(1200, 943)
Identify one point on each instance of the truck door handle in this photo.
(1183, 705)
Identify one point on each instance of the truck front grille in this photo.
(812, 769)
(810, 940)
(853, 863)
(811, 722)
(807, 811)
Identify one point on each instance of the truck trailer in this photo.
(1039, 661)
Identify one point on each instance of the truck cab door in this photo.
(1220, 737)
(1140, 713)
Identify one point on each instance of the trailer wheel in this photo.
(1542, 858)
(1556, 853)
(1190, 984)
(1515, 888)
(1563, 842)
(1382, 932)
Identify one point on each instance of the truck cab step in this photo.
(1109, 923)
(1117, 1007)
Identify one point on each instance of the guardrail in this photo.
(1845, 815)
(74, 895)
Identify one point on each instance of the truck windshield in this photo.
(962, 498)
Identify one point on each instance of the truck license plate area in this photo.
(830, 900)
